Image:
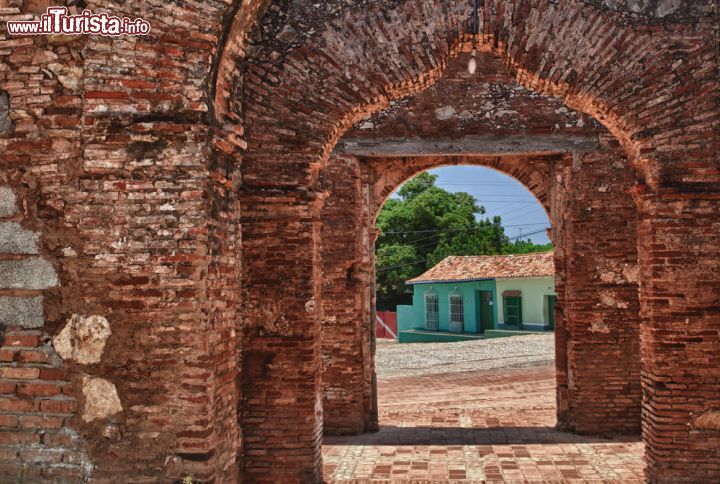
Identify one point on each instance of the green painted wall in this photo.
(413, 317)
(534, 302)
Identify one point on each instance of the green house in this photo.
(470, 297)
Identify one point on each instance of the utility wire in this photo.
(456, 230)
(468, 229)
(510, 239)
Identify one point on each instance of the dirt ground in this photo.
(486, 418)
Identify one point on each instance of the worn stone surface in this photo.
(25, 312)
(83, 339)
(708, 421)
(658, 8)
(30, 273)
(14, 239)
(6, 123)
(101, 399)
(8, 202)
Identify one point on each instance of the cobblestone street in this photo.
(492, 425)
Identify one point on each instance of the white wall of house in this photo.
(534, 301)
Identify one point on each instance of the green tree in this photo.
(424, 225)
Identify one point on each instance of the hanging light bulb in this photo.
(472, 65)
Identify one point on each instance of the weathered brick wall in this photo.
(108, 151)
(345, 303)
(39, 148)
(467, 108)
(37, 396)
(644, 70)
(597, 344)
(679, 281)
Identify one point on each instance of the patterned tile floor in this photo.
(480, 426)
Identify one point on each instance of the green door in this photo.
(551, 311)
(485, 310)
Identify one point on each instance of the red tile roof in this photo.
(478, 267)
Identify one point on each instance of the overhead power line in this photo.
(457, 230)
(468, 229)
(510, 239)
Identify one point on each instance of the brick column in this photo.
(348, 341)
(680, 343)
(345, 281)
(281, 410)
(369, 338)
(597, 331)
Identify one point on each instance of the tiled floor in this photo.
(481, 426)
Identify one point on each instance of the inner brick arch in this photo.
(593, 264)
(533, 172)
(357, 189)
(305, 87)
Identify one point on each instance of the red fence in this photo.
(388, 330)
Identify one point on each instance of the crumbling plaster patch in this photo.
(708, 421)
(83, 339)
(14, 239)
(101, 399)
(8, 202)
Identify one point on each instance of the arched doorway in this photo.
(582, 354)
(292, 129)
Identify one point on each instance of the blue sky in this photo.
(500, 195)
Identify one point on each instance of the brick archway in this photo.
(531, 171)
(313, 80)
(593, 264)
(357, 188)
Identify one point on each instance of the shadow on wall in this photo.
(391, 435)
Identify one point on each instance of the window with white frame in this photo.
(457, 312)
(432, 319)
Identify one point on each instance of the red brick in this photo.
(53, 374)
(38, 390)
(7, 387)
(106, 95)
(8, 421)
(14, 438)
(21, 340)
(13, 405)
(58, 406)
(40, 422)
(33, 357)
(19, 373)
